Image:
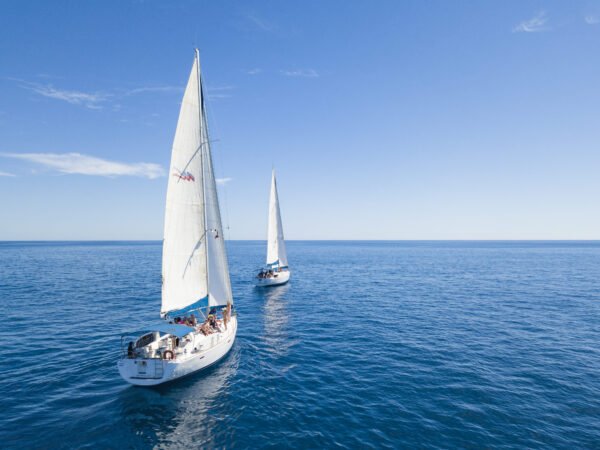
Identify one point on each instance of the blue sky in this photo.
(383, 119)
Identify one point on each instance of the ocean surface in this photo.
(371, 345)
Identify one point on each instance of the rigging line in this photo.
(215, 126)
(196, 247)
(194, 155)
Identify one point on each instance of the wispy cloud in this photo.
(223, 181)
(219, 91)
(91, 100)
(46, 75)
(592, 19)
(533, 25)
(306, 73)
(76, 163)
(219, 88)
(143, 90)
(254, 71)
(6, 174)
(259, 22)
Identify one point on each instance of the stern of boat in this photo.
(145, 372)
(153, 371)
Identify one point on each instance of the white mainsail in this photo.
(276, 255)
(194, 261)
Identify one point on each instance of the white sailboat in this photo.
(277, 271)
(198, 326)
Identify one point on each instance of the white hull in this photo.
(278, 279)
(154, 371)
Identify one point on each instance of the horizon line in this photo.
(311, 240)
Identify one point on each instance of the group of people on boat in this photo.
(188, 321)
(268, 273)
(211, 325)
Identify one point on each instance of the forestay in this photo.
(276, 255)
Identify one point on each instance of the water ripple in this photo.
(371, 345)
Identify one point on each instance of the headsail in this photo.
(276, 255)
(219, 284)
(194, 261)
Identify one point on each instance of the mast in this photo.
(203, 141)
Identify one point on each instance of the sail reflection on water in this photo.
(276, 318)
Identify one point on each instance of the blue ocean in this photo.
(371, 345)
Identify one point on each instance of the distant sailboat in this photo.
(196, 287)
(277, 271)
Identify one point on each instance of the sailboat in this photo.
(198, 325)
(277, 271)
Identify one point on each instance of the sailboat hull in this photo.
(279, 279)
(155, 371)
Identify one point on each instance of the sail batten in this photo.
(189, 272)
(276, 254)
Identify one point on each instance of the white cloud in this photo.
(260, 22)
(45, 75)
(143, 90)
(76, 163)
(220, 88)
(6, 174)
(223, 181)
(216, 96)
(306, 73)
(219, 92)
(87, 99)
(533, 25)
(592, 19)
(254, 71)
(91, 100)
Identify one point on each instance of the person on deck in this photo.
(227, 314)
(205, 328)
(212, 320)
